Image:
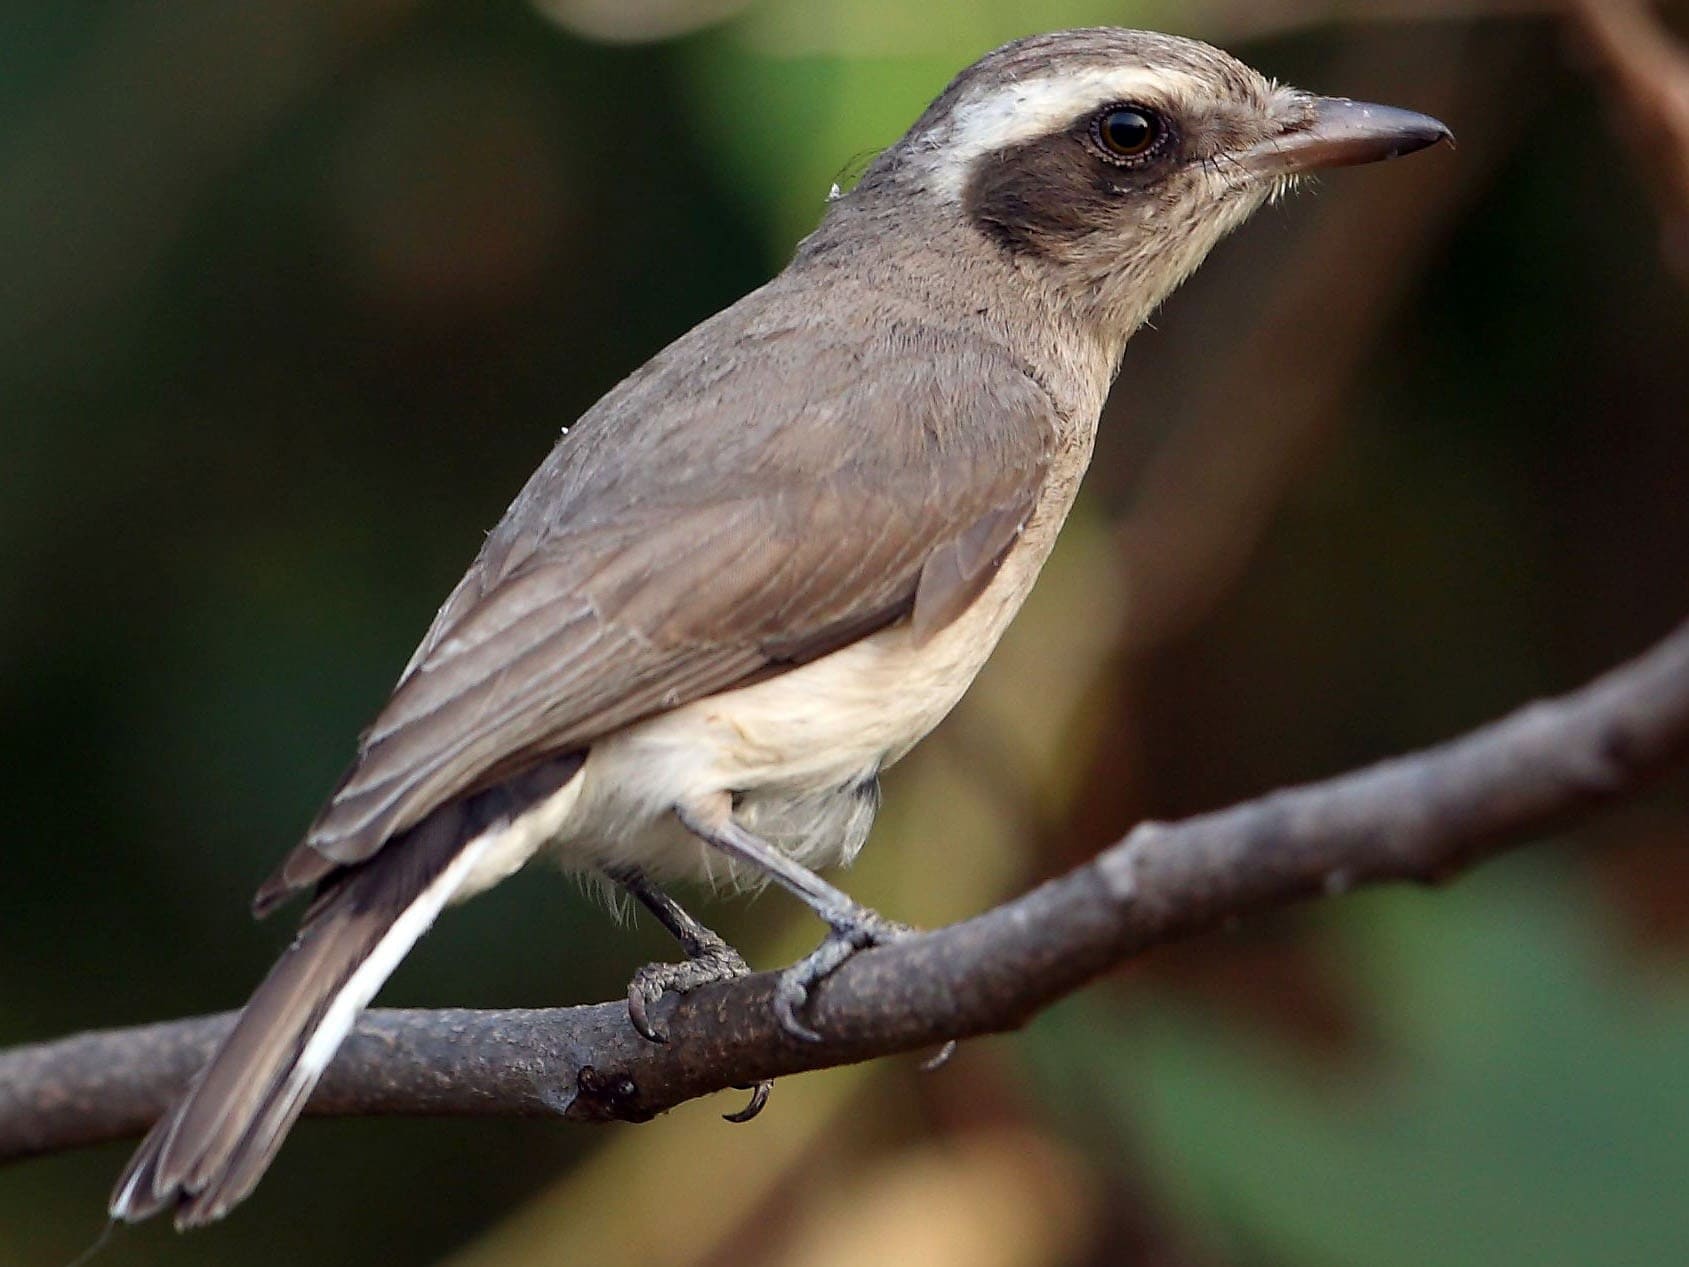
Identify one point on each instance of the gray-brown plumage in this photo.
(624, 582)
(767, 563)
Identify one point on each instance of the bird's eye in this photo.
(1126, 132)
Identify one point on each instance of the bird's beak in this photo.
(1337, 132)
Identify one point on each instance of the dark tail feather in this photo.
(207, 1154)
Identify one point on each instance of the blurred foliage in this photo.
(1522, 1110)
(296, 295)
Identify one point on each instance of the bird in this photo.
(771, 560)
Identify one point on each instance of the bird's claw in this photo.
(759, 1097)
(940, 1058)
(716, 963)
(854, 930)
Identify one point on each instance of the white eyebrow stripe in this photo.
(1029, 108)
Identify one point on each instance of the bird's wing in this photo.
(603, 600)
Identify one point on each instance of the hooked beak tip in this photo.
(1337, 132)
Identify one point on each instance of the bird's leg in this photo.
(708, 958)
(851, 926)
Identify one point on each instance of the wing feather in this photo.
(642, 568)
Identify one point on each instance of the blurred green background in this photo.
(294, 295)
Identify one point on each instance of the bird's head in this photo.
(1108, 163)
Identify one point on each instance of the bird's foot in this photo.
(713, 961)
(852, 929)
(709, 958)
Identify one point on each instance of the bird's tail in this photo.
(208, 1152)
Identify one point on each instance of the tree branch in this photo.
(1420, 817)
